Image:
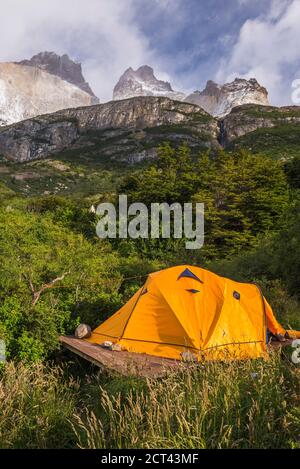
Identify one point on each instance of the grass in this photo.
(271, 113)
(233, 405)
(36, 405)
(250, 404)
(80, 176)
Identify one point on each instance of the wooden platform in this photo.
(127, 363)
(275, 344)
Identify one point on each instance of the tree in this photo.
(170, 179)
(286, 250)
(244, 194)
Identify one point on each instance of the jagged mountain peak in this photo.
(212, 84)
(216, 99)
(219, 100)
(143, 82)
(146, 73)
(27, 91)
(62, 66)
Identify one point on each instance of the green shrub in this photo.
(47, 273)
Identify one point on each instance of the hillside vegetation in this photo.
(47, 238)
(267, 130)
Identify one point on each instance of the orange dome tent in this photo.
(187, 308)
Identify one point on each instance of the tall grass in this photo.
(235, 405)
(36, 405)
(249, 404)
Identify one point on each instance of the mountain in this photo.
(88, 150)
(128, 130)
(219, 100)
(49, 82)
(142, 82)
(61, 66)
(29, 91)
(263, 129)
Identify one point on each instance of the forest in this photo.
(55, 273)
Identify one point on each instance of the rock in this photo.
(26, 92)
(142, 82)
(111, 346)
(61, 66)
(139, 156)
(219, 100)
(47, 135)
(247, 118)
(116, 348)
(83, 331)
(280, 337)
(33, 139)
(106, 344)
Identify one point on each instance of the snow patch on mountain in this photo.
(142, 82)
(219, 100)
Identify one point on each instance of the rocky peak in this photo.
(61, 66)
(219, 100)
(212, 87)
(29, 91)
(146, 73)
(243, 84)
(143, 82)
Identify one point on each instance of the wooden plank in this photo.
(125, 363)
(276, 344)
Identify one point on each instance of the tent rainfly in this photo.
(189, 309)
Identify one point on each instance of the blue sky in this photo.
(199, 34)
(186, 41)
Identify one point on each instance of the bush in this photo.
(47, 274)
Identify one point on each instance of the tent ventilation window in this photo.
(236, 295)
(188, 274)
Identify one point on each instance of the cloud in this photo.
(103, 34)
(267, 49)
(186, 41)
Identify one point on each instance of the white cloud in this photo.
(105, 36)
(267, 48)
(277, 8)
(101, 33)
